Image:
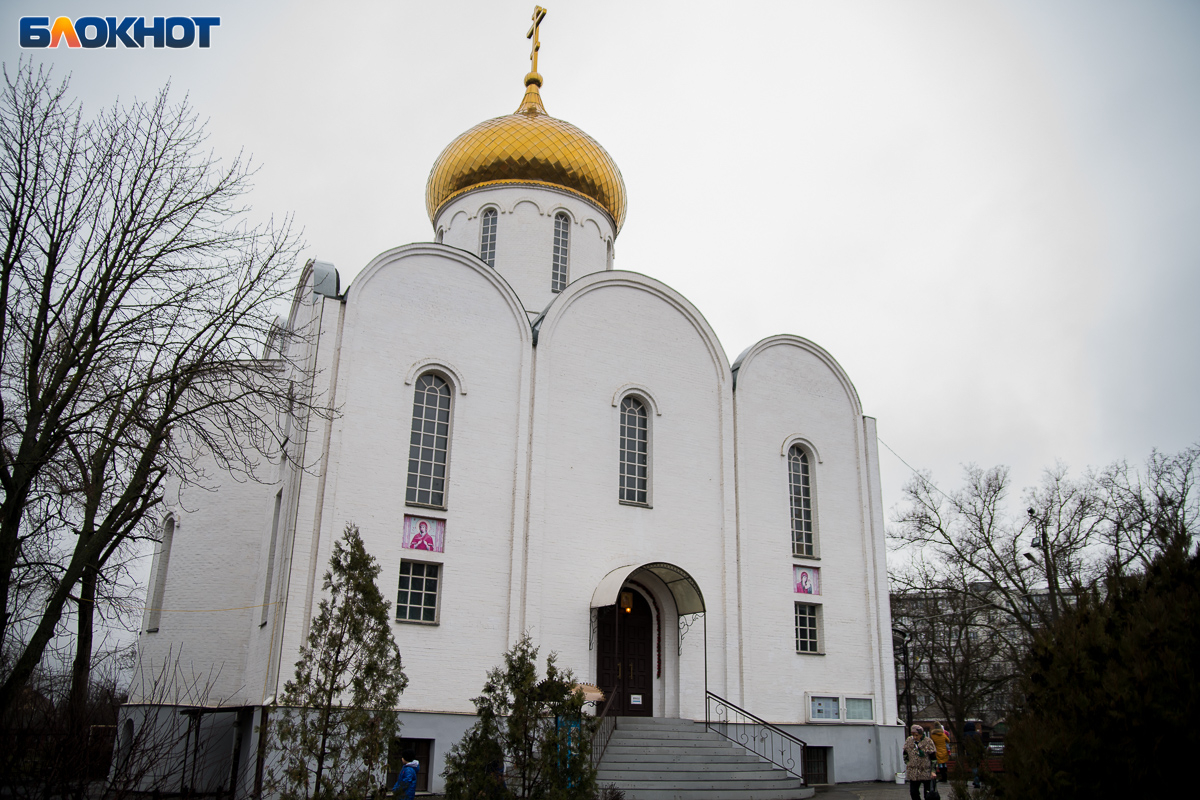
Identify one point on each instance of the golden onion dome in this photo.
(527, 147)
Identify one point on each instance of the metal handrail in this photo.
(755, 734)
(605, 724)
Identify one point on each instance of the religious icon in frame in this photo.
(807, 580)
(424, 533)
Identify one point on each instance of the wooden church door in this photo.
(625, 655)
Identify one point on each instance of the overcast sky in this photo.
(988, 212)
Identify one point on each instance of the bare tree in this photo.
(968, 541)
(1144, 509)
(136, 296)
(955, 657)
(999, 575)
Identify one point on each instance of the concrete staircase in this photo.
(677, 759)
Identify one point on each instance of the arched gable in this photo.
(786, 340)
(598, 281)
(395, 257)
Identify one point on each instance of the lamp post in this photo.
(1042, 542)
(904, 636)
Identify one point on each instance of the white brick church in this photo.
(532, 440)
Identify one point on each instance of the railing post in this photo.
(706, 669)
(755, 734)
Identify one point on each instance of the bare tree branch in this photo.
(137, 299)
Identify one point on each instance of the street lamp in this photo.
(1042, 542)
(904, 637)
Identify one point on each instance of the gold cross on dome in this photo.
(539, 14)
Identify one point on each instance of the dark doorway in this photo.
(816, 765)
(625, 655)
(422, 749)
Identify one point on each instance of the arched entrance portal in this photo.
(625, 656)
(640, 614)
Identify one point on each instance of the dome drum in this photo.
(525, 233)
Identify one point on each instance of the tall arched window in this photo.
(635, 451)
(429, 442)
(487, 237)
(266, 603)
(800, 482)
(562, 234)
(159, 585)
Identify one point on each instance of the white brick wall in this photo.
(788, 387)
(533, 519)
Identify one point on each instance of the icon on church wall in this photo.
(424, 533)
(807, 580)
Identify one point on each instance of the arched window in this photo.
(429, 442)
(266, 603)
(487, 237)
(800, 483)
(635, 451)
(562, 234)
(159, 585)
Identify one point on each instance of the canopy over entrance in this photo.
(685, 590)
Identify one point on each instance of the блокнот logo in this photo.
(109, 31)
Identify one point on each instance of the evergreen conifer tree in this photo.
(337, 716)
(531, 739)
(1109, 704)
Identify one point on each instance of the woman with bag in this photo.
(919, 752)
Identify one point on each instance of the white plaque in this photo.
(635, 699)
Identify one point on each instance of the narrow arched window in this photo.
(158, 588)
(800, 483)
(429, 442)
(487, 237)
(266, 603)
(635, 452)
(562, 234)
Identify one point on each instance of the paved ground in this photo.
(881, 791)
(864, 791)
(873, 790)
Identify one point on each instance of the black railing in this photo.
(756, 735)
(605, 723)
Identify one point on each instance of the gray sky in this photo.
(986, 211)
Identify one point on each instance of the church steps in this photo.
(726, 786)
(657, 723)
(650, 733)
(655, 773)
(690, 757)
(674, 749)
(717, 792)
(672, 759)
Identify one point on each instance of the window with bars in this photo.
(487, 237)
(562, 233)
(417, 598)
(635, 452)
(800, 483)
(806, 628)
(429, 443)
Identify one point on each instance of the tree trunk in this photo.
(81, 670)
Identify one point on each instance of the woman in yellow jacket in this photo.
(942, 742)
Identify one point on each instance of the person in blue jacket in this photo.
(406, 782)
